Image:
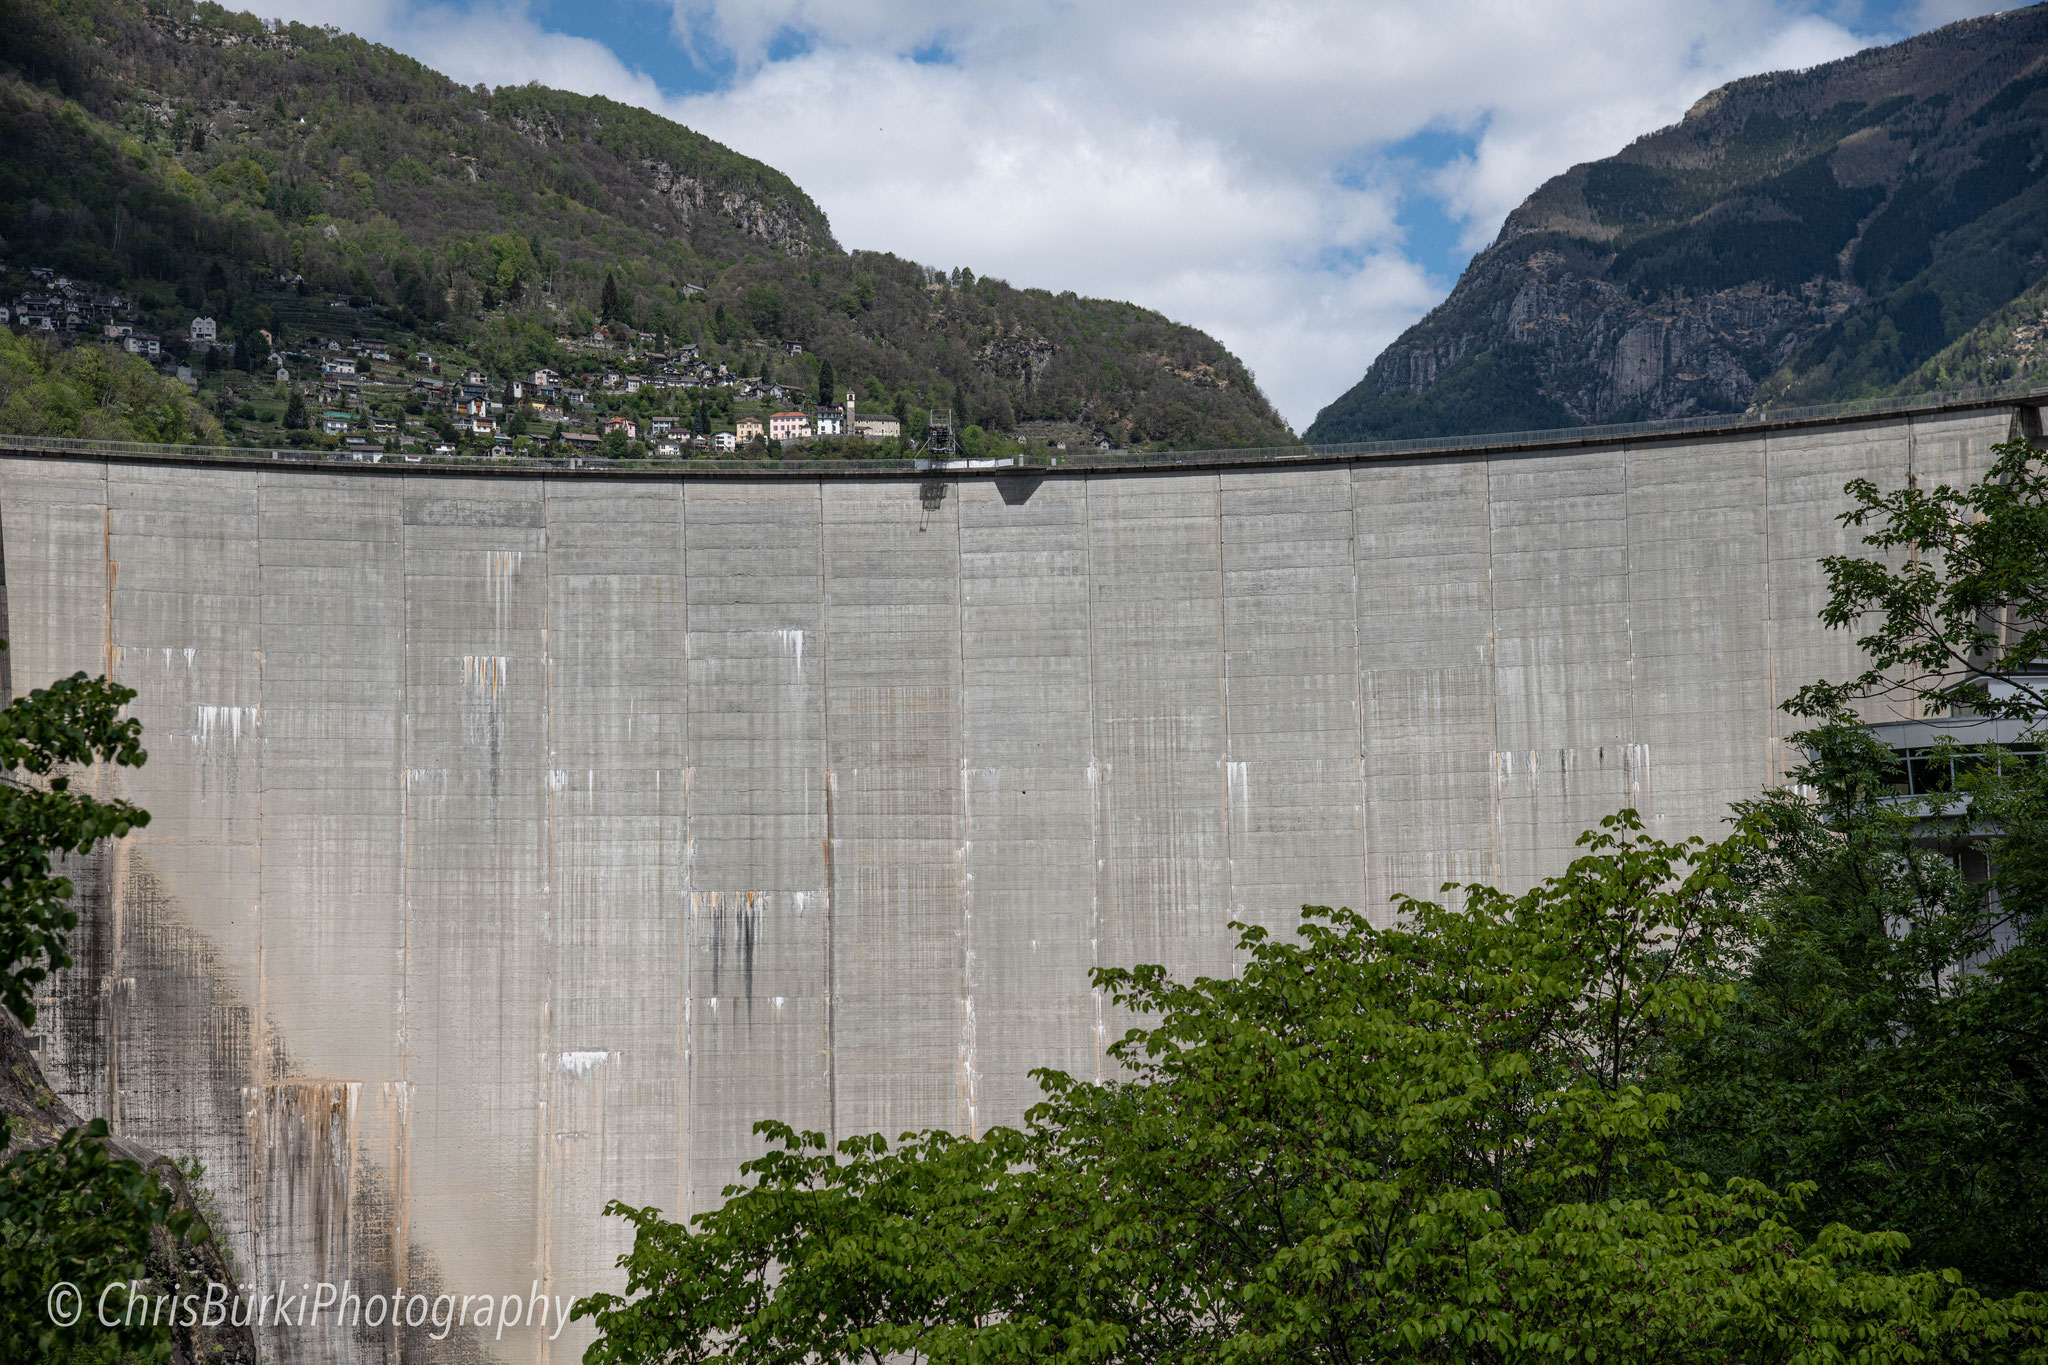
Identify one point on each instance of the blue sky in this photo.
(1302, 178)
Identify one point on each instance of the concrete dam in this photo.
(520, 838)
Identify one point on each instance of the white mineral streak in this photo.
(227, 721)
(582, 1064)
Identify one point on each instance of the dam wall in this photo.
(520, 840)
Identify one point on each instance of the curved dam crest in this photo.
(519, 841)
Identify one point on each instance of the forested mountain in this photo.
(1877, 225)
(203, 161)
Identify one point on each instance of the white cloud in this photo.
(1225, 162)
(481, 44)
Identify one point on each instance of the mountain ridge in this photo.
(196, 157)
(1801, 237)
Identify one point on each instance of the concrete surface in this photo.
(520, 842)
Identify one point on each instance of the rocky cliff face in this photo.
(767, 220)
(1803, 236)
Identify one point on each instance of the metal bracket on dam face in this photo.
(520, 838)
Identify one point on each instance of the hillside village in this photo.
(613, 392)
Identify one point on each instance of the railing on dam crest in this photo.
(1055, 460)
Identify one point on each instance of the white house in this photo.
(203, 329)
(342, 365)
(725, 442)
(830, 422)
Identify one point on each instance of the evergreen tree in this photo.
(827, 382)
(295, 412)
(608, 304)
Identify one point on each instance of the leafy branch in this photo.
(1962, 624)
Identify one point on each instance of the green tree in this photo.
(96, 393)
(512, 264)
(72, 1210)
(828, 384)
(1432, 1142)
(1890, 1016)
(295, 412)
(242, 178)
(1962, 623)
(608, 301)
(1886, 1037)
(764, 306)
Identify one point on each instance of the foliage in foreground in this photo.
(1891, 1017)
(1435, 1142)
(71, 1211)
(1891, 1014)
